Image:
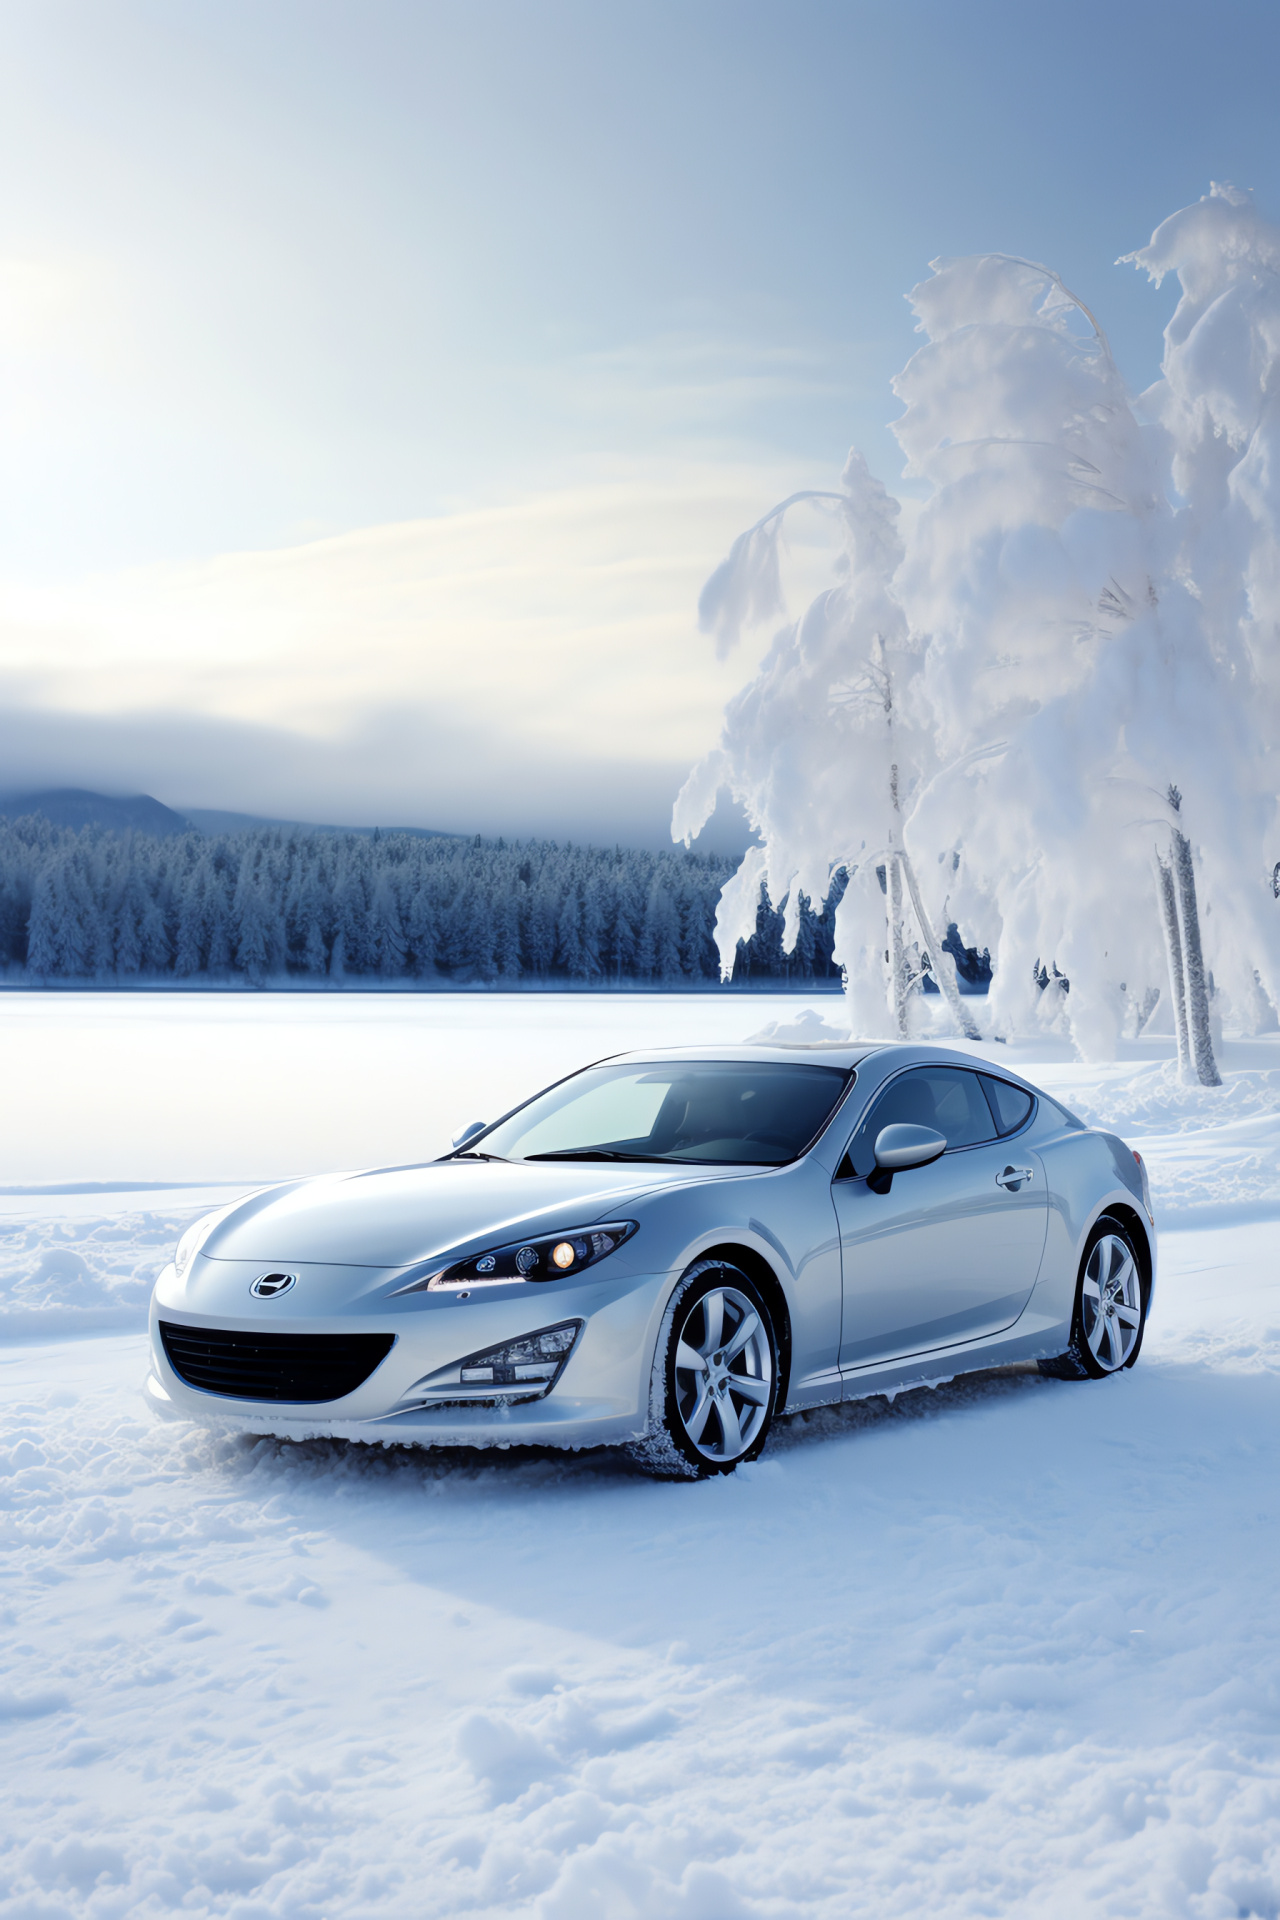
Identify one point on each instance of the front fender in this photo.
(786, 1221)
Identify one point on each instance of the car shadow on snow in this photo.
(992, 1470)
(401, 1468)
(915, 1404)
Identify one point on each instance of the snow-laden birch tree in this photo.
(820, 754)
(1218, 401)
(1067, 672)
(1067, 665)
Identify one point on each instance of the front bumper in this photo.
(600, 1398)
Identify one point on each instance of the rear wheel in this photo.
(714, 1384)
(1110, 1310)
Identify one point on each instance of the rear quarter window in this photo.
(1011, 1105)
(1058, 1115)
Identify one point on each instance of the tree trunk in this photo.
(897, 954)
(941, 965)
(1193, 958)
(1173, 954)
(1150, 1001)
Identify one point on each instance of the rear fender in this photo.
(1083, 1182)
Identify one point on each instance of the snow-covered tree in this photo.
(258, 922)
(349, 906)
(819, 752)
(1058, 648)
(1218, 402)
(1047, 713)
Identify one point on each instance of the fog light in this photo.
(537, 1358)
(523, 1369)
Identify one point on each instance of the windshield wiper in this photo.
(593, 1153)
(472, 1153)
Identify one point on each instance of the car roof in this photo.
(827, 1053)
(844, 1054)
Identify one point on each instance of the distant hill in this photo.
(216, 820)
(74, 807)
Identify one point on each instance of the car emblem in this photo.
(268, 1285)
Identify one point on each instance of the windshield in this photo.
(708, 1112)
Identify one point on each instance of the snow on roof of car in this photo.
(840, 1053)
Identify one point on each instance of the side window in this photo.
(948, 1099)
(1011, 1105)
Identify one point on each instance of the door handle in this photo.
(1014, 1178)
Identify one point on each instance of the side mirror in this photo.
(478, 1126)
(900, 1147)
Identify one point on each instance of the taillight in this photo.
(1146, 1184)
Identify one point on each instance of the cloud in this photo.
(527, 667)
(405, 766)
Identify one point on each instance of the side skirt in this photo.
(1032, 1337)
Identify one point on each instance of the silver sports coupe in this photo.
(663, 1252)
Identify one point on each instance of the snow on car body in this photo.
(776, 1228)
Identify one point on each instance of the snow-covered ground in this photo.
(1007, 1647)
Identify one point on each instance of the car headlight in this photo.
(547, 1256)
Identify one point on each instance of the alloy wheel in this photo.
(723, 1374)
(1111, 1303)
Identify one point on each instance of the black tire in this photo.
(708, 1420)
(1105, 1338)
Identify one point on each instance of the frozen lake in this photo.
(1007, 1647)
(192, 1089)
(249, 1087)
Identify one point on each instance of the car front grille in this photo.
(298, 1367)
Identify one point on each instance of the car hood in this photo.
(399, 1215)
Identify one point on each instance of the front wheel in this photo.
(1110, 1309)
(715, 1372)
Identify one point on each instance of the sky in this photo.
(379, 383)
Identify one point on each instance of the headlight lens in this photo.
(546, 1256)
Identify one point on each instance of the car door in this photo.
(952, 1250)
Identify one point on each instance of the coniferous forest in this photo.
(279, 906)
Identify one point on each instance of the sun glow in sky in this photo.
(379, 383)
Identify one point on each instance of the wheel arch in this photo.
(734, 1253)
(1136, 1227)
